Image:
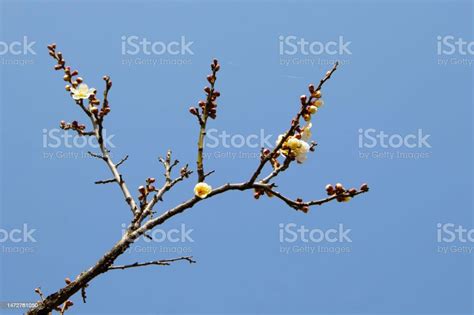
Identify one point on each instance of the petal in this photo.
(83, 87)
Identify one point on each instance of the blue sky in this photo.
(400, 77)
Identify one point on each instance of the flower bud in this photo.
(312, 109)
(319, 103)
(352, 191)
(317, 94)
(67, 280)
(364, 187)
(311, 88)
(68, 87)
(142, 190)
(66, 78)
(79, 80)
(330, 189)
(57, 67)
(211, 79)
(303, 99)
(94, 110)
(150, 180)
(339, 188)
(193, 110)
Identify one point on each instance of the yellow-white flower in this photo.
(294, 144)
(82, 92)
(300, 153)
(306, 133)
(202, 190)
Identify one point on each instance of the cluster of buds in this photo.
(209, 107)
(76, 126)
(301, 206)
(260, 192)
(105, 104)
(69, 76)
(77, 88)
(146, 190)
(314, 103)
(343, 194)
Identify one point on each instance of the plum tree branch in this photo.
(143, 220)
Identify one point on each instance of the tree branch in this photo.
(137, 229)
(162, 262)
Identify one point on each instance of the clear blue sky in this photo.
(391, 82)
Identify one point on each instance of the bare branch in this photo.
(162, 262)
(98, 156)
(122, 161)
(107, 181)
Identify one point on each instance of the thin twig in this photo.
(162, 262)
